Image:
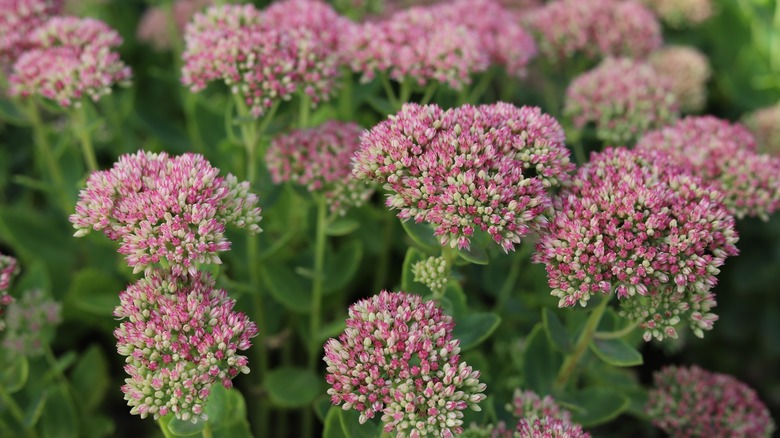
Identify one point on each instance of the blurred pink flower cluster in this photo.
(764, 123)
(8, 269)
(681, 13)
(687, 70)
(17, 19)
(158, 29)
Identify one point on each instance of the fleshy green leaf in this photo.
(59, 418)
(333, 428)
(14, 374)
(475, 253)
(454, 293)
(541, 362)
(598, 406)
(474, 328)
(341, 269)
(288, 288)
(90, 379)
(422, 234)
(556, 332)
(350, 422)
(95, 292)
(185, 427)
(290, 387)
(616, 352)
(342, 227)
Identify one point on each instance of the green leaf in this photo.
(34, 409)
(36, 276)
(475, 253)
(341, 268)
(15, 373)
(62, 363)
(90, 379)
(333, 428)
(59, 418)
(321, 407)
(226, 410)
(350, 422)
(185, 427)
(95, 292)
(9, 113)
(556, 332)
(342, 227)
(616, 352)
(540, 361)
(454, 293)
(289, 289)
(234, 430)
(332, 329)
(290, 387)
(413, 255)
(474, 328)
(598, 405)
(422, 234)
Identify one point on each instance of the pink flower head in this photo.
(17, 19)
(595, 28)
(693, 402)
(688, 71)
(486, 168)
(498, 29)
(29, 323)
(167, 210)
(528, 404)
(321, 160)
(764, 123)
(397, 358)
(180, 336)
(8, 270)
(154, 27)
(256, 58)
(315, 16)
(549, 427)
(724, 155)
(624, 98)
(634, 224)
(681, 13)
(416, 44)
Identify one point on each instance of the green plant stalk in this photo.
(572, 360)
(166, 433)
(44, 150)
(389, 90)
(249, 136)
(383, 264)
(514, 272)
(346, 110)
(429, 92)
(304, 110)
(617, 334)
(81, 128)
(16, 411)
(206, 433)
(478, 90)
(405, 92)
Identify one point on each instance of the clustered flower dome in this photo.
(688, 71)
(764, 123)
(72, 58)
(320, 159)
(474, 168)
(17, 19)
(154, 28)
(8, 270)
(691, 401)
(29, 323)
(549, 427)
(315, 16)
(397, 358)
(180, 336)
(595, 28)
(623, 98)
(724, 155)
(528, 404)
(681, 13)
(167, 211)
(635, 225)
(416, 44)
(261, 61)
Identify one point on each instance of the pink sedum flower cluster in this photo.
(595, 29)
(17, 19)
(29, 323)
(681, 13)
(724, 155)
(315, 16)
(397, 358)
(320, 159)
(635, 225)
(8, 270)
(73, 58)
(549, 427)
(688, 71)
(693, 402)
(486, 168)
(528, 404)
(155, 27)
(764, 123)
(180, 337)
(623, 98)
(169, 211)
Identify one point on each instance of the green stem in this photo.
(51, 360)
(80, 125)
(317, 283)
(389, 91)
(260, 348)
(480, 87)
(406, 92)
(572, 360)
(617, 334)
(514, 272)
(41, 140)
(383, 264)
(346, 110)
(429, 92)
(207, 431)
(166, 433)
(304, 110)
(16, 411)
(248, 136)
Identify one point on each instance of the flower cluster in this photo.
(595, 28)
(528, 404)
(499, 430)
(690, 401)
(321, 160)
(30, 322)
(725, 155)
(180, 337)
(259, 60)
(8, 269)
(155, 25)
(468, 169)
(167, 210)
(688, 71)
(549, 427)
(634, 224)
(17, 19)
(764, 123)
(397, 358)
(433, 273)
(73, 58)
(624, 98)
(681, 13)
(315, 16)
(416, 44)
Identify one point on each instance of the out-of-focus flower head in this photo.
(8, 270)
(681, 13)
(17, 19)
(723, 154)
(623, 98)
(320, 159)
(468, 169)
(549, 427)
(595, 28)
(634, 224)
(688, 71)
(155, 29)
(691, 401)
(764, 123)
(167, 210)
(30, 322)
(416, 44)
(397, 358)
(315, 16)
(180, 336)
(259, 60)
(528, 404)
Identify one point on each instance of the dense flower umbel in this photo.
(397, 358)
(764, 123)
(527, 404)
(681, 13)
(321, 160)
(8, 269)
(17, 19)
(259, 60)
(688, 71)
(634, 224)
(180, 337)
(30, 321)
(595, 28)
(692, 402)
(624, 98)
(467, 169)
(315, 16)
(725, 155)
(549, 427)
(72, 59)
(155, 27)
(167, 210)
(416, 44)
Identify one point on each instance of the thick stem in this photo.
(41, 140)
(383, 264)
(207, 431)
(480, 87)
(166, 433)
(429, 92)
(389, 91)
(304, 110)
(248, 136)
(16, 411)
(81, 127)
(514, 272)
(317, 282)
(572, 360)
